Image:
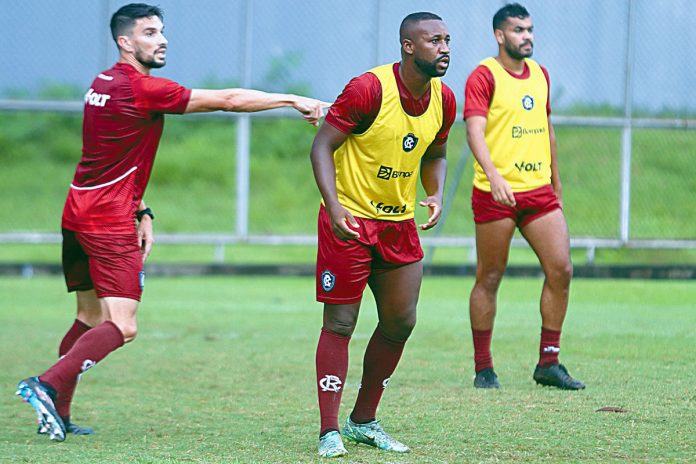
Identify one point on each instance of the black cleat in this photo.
(556, 375)
(486, 378)
(78, 430)
(40, 397)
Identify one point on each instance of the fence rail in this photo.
(220, 241)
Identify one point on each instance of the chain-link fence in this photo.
(621, 92)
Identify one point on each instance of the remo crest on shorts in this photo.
(328, 280)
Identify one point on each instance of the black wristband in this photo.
(139, 214)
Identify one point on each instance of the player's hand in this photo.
(501, 191)
(559, 194)
(145, 236)
(434, 206)
(312, 110)
(343, 223)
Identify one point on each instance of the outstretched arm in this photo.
(249, 101)
(327, 140)
(475, 137)
(433, 172)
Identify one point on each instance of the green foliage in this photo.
(48, 90)
(222, 371)
(193, 187)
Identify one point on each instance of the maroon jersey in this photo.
(121, 130)
(357, 107)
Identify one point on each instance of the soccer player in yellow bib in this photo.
(387, 125)
(516, 185)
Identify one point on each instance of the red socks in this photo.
(78, 329)
(482, 349)
(88, 350)
(381, 357)
(549, 347)
(332, 365)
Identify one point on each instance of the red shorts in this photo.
(110, 264)
(343, 266)
(530, 205)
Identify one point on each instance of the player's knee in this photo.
(405, 328)
(129, 332)
(340, 326)
(560, 276)
(490, 279)
(399, 327)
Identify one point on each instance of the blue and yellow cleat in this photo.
(331, 445)
(372, 434)
(39, 398)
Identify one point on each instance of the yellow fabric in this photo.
(377, 171)
(517, 129)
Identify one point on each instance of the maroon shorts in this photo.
(343, 266)
(530, 205)
(110, 264)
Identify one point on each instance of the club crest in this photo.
(409, 142)
(327, 281)
(527, 102)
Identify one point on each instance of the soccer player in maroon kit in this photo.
(516, 185)
(388, 124)
(103, 250)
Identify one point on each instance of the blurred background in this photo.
(225, 186)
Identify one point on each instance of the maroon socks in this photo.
(332, 365)
(549, 347)
(381, 357)
(482, 349)
(63, 402)
(89, 349)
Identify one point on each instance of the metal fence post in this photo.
(626, 133)
(244, 134)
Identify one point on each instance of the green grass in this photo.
(223, 371)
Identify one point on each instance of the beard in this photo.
(149, 60)
(429, 68)
(516, 54)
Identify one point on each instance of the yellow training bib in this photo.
(517, 129)
(377, 171)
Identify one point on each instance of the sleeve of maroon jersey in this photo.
(449, 114)
(357, 106)
(478, 92)
(548, 86)
(159, 95)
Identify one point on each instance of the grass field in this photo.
(222, 372)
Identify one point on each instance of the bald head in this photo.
(408, 25)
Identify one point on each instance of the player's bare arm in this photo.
(555, 174)
(327, 141)
(433, 173)
(249, 101)
(146, 237)
(476, 138)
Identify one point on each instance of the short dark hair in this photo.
(511, 10)
(124, 18)
(414, 18)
